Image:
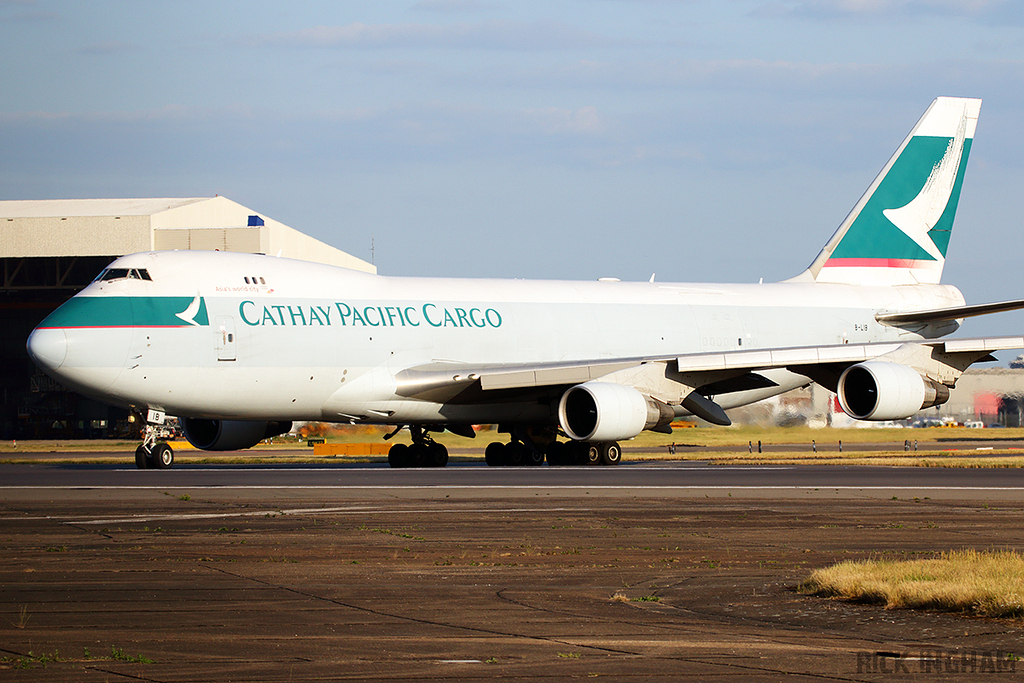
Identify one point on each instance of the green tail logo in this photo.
(899, 231)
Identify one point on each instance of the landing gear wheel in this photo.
(152, 454)
(399, 456)
(424, 451)
(557, 454)
(576, 452)
(420, 453)
(437, 455)
(494, 454)
(142, 458)
(534, 458)
(163, 457)
(592, 454)
(516, 454)
(611, 453)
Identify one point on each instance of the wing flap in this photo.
(435, 381)
(547, 376)
(780, 358)
(982, 344)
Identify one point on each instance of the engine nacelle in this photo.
(603, 411)
(880, 390)
(230, 435)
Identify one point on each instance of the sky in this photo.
(696, 140)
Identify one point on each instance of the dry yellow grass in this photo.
(924, 458)
(722, 445)
(984, 583)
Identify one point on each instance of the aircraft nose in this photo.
(48, 347)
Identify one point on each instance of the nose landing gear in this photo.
(152, 454)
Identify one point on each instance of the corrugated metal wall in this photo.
(245, 240)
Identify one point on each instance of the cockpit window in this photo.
(124, 274)
(114, 274)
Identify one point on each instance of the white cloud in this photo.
(501, 35)
(982, 11)
(584, 120)
(454, 6)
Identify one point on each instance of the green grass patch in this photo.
(31, 659)
(122, 656)
(982, 583)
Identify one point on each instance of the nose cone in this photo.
(48, 347)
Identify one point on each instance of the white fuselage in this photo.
(302, 341)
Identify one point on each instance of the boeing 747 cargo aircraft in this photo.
(241, 345)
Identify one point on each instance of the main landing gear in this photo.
(153, 455)
(424, 451)
(557, 453)
(527, 448)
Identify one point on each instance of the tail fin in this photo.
(899, 230)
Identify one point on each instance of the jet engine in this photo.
(230, 435)
(603, 411)
(880, 390)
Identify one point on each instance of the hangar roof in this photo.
(58, 208)
(115, 227)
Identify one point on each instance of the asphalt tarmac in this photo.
(645, 572)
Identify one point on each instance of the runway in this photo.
(649, 480)
(642, 572)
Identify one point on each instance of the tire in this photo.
(516, 454)
(163, 457)
(141, 458)
(577, 452)
(438, 455)
(611, 453)
(557, 454)
(592, 454)
(494, 454)
(534, 458)
(398, 455)
(421, 456)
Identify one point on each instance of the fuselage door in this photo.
(225, 337)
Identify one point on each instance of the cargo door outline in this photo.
(224, 329)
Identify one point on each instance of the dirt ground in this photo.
(193, 588)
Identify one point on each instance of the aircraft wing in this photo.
(719, 370)
(838, 353)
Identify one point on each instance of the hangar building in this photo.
(52, 249)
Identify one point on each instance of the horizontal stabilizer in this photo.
(952, 313)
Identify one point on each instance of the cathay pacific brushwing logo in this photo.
(189, 314)
(920, 215)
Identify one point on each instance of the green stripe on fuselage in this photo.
(125, 311)
(872, 235)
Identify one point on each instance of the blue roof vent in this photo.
(255, 221)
